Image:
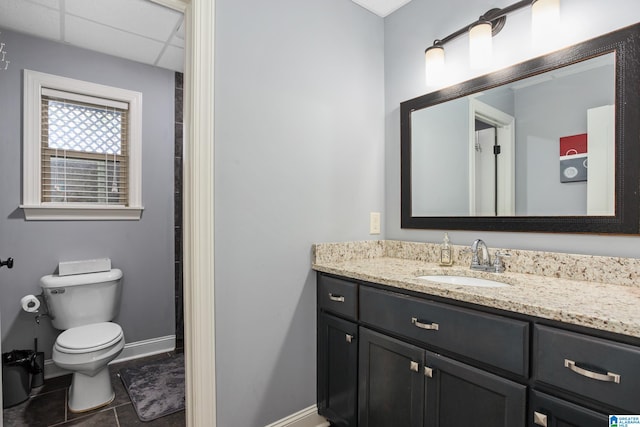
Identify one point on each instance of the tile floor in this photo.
(47, 406)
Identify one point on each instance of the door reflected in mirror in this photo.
(503, 151)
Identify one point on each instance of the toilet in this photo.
(83, 305)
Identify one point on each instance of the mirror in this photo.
(547, 145)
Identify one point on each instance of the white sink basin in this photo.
(464, 281)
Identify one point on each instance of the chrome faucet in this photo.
(478, 263)
(484, 263)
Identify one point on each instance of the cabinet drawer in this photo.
(548, 411)
(338, 296)
(603, 370)
(491, 339)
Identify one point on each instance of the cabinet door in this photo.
(549, 411)
(460, 395)
(337, 370)
(391, 389)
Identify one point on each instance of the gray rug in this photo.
(156, 389)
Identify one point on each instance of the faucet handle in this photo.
(498, 265)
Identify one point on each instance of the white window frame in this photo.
(34, 208)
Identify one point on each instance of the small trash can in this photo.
(17, 367)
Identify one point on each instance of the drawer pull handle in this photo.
(608, 377)
(429, 326)
(540, 419)
(413, 366)
(336, 298)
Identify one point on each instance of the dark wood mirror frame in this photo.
(625, 43)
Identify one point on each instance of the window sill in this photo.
(81, 213)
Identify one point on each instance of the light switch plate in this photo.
(374, 223)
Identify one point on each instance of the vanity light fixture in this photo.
(545, 21)
(480, 44)
(545, 13)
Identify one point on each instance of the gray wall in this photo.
(545, 113)
(299, 124)
(408, 32)
(440, 132)
(142, 249)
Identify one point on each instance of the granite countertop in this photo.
(604, 306)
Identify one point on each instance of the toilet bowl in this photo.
(82, 306)
(86, 351)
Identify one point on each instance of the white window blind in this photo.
(84, 149)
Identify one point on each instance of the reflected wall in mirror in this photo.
(499, 149)
(547, 145)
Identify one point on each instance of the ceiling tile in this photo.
(52, 4)
(172, 58)
(27, 17)
(140, 17)
(87, 34)
(381, 7)
(177, 41)
(178, 36)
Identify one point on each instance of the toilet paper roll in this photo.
(30, 303)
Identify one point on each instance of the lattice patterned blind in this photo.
(84, 149)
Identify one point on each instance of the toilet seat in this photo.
(89, 338)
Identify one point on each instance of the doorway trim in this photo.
(505, 128)
(198, 179)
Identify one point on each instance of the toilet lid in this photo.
(95, 336)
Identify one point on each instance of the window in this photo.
(82, 146)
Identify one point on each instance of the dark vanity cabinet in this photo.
(337, 375)
(404, 385)
(584, 369)
(386, 358)
(391, 389)
(549, 411)
(419, 387)
(461, 395)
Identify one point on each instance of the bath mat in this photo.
(156, 388)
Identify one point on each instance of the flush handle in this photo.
(8, 263)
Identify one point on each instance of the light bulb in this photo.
(480, 45)
(434, 65)
(545, 22)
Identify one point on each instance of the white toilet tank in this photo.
(82, 299)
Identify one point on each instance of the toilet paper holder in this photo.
(43, 310)
(40, 310)
(8, 263)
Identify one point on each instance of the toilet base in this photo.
(87, 393)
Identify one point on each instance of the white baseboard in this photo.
(145, 348)
(306, 418)
(133, 350)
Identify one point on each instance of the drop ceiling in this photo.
(139, 30)
(133, 29)
(381, 7)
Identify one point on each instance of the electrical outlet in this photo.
(374, 223)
